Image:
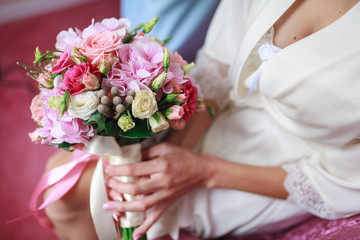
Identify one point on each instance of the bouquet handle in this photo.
(108, 148)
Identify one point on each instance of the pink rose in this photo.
(175, 112)
(37, 112)
(178, 124)
(44, 79)
(62, 64)
(191, 102)
(73, 78)
(90, 81)
(94, 45)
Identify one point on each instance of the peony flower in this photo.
(98, 43)
(125, 122)
(56, 129)
(158, 123)
(62, 64)
(66, 40)
(175, 112)
(90, 81)
(83, 105)
(144, 104)
(73, 77)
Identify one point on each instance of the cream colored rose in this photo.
(144, 104)
(83, 105)
(158, 123)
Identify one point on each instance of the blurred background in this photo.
(25, 24)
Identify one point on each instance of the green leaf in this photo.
(167, 40)
(112, 128)
(178, 102)
(140, 131)
(128, 38)
(168, 112)
(97, 119)
(53, 76)
(64, 145)
(156, 116)
(211, 110)
(65, 103)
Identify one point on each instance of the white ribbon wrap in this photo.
(109, 149)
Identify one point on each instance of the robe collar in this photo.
(289, 71)
(269, 14)
(324, 49)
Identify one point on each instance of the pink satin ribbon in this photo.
(62, 179)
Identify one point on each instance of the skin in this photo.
(163, 175)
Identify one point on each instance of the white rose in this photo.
(83, 105)
(158, 123)
(144, 104)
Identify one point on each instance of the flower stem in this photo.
(126, 234)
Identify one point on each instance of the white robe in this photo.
(304, 116)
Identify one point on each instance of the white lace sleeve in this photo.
(302, 192)
(212, 77)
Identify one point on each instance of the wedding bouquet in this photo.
(107, 80)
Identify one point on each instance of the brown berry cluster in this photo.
(111, 104)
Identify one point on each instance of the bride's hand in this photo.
(168, 173)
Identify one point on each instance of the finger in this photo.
(116, 196)
(156, 151)
(152, 216)
(138, 205)
(143, 186)
(133, 169)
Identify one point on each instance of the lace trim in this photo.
(302, 192)
(212, 77)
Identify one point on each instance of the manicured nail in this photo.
(137, 237)
(119, 198)
(108, 183)
(115, 216)
(106, 170)
(109, 206)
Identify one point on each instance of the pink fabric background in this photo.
(22, 162)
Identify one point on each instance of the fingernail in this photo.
(137, 237)
(119, 198)
(106, 170)
(115, 216)
(108, 183)
(109, 206)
